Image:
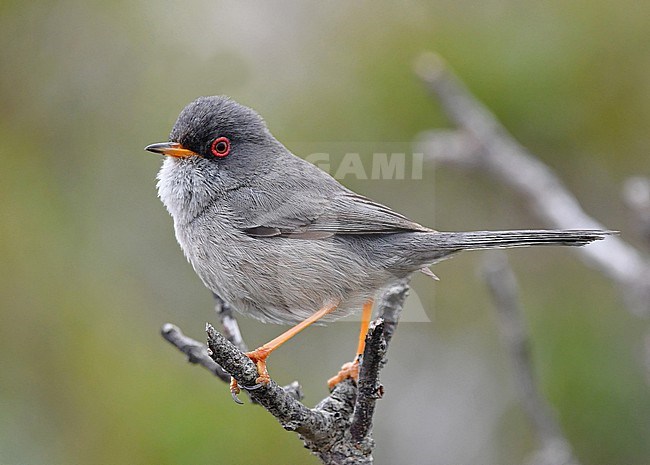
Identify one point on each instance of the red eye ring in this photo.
(220, 147)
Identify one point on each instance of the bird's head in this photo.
(215, 145)
(215, 129)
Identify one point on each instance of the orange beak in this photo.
(171, 149)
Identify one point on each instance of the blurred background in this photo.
(91, 270)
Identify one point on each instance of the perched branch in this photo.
(293, 415)
(390, 306)
(554, 447)
(482, 142)
(368, 387)
(339, 429)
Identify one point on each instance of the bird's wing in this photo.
(318, 215)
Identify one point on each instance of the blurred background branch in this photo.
(482, 143)
(554, 448)
(636, 195)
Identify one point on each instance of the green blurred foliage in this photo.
(91, 270)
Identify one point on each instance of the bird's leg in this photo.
(351, 369)
(259, 355)
(365, 323)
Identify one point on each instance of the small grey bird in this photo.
(282, 240)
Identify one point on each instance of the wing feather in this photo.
(320, 216)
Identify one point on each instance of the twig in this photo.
(486, 145)
(554, 447)
(196, 352)
(229, 322)
(391, 304)
(379, 335)
(368, 387)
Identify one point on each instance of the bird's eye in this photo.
(220, 147)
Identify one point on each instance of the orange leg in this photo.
(259, 355)
(365, 322)
(351, 369)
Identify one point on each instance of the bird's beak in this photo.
(171, 149)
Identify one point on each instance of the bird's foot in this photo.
(235, 389)
(258, 357)
(348, 370)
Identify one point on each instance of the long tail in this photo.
(419, 249)
(506, 239)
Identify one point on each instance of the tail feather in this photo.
(411, 251)
(506, 239)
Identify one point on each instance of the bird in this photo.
(283, 241)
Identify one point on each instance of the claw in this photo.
(258, 357)
(234, 390)
(236, 399)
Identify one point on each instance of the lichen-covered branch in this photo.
(339, 429)
(291, 414)
(369, 389)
